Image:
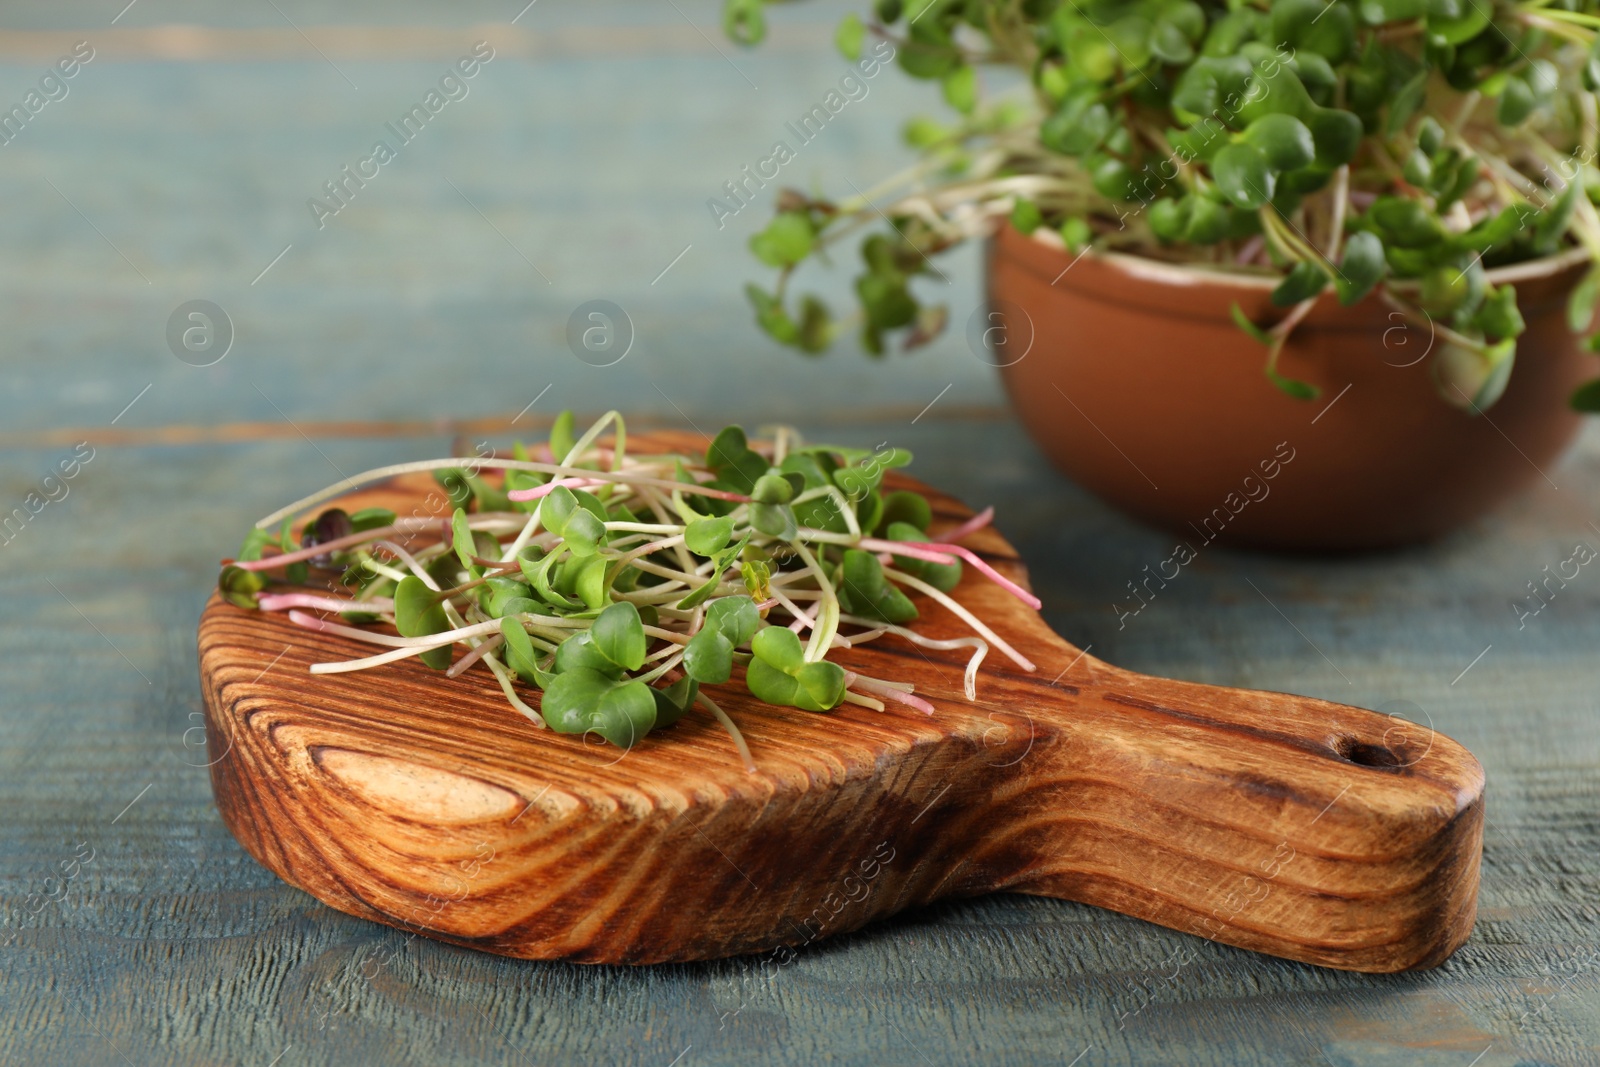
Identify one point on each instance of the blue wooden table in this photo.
(575, 166)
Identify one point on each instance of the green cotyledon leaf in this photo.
(618, 634)
(863, 590)
(729, 622)
(779, 674)
(418, 613)
(581, 700)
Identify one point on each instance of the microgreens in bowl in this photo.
(1401, 148)
(620, 584)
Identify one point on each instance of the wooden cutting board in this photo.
(1283, 824)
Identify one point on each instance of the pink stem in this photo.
(335, 545)
(912, 549)
(544, 490)
(999, 579)
(323, 626)
(487, 645)
(899, 548)
(340, 543)
(280, 601)
(972, 525)
(889, 692)
(903, 697)
(313, 622)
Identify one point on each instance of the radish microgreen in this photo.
(620, 584)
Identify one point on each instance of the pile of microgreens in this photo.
(620, 584)
(1393, 147)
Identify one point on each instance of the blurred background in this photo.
(577, 167)
(437, 302)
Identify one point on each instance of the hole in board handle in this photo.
(1366, 755)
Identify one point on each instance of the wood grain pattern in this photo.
(1283, 824)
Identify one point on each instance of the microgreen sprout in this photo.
(618, 585)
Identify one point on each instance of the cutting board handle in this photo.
(1274, 822)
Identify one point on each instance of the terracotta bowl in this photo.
(1131, 376)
